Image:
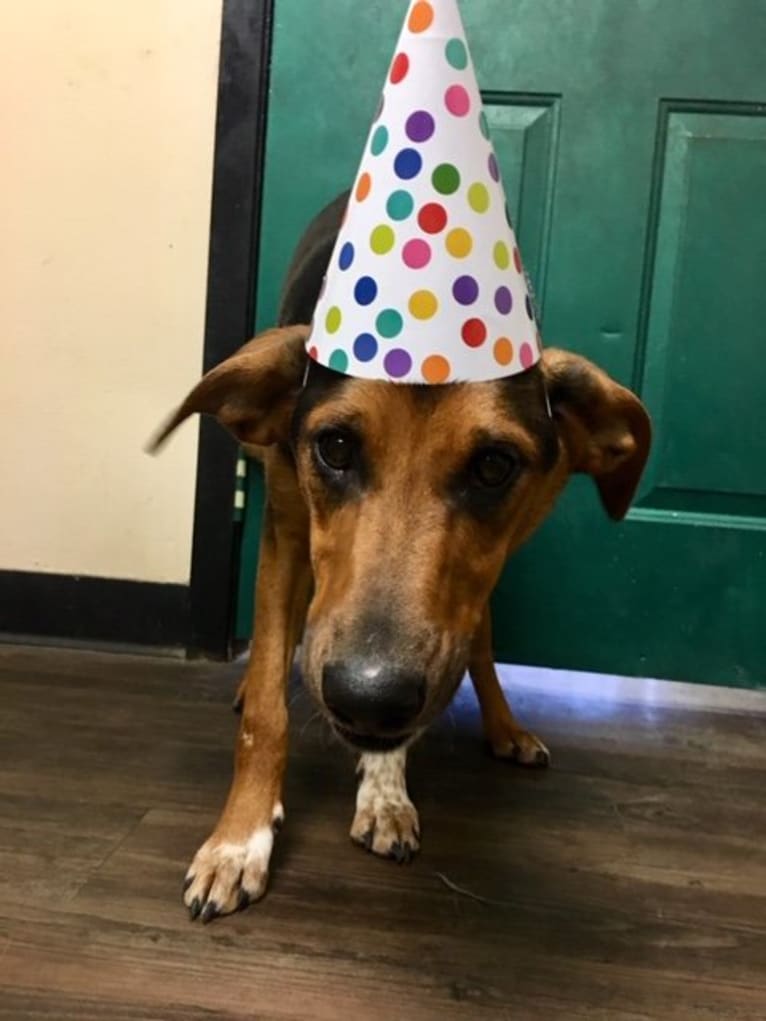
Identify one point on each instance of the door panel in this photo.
(632, 140)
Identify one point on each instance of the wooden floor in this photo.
(627, 882)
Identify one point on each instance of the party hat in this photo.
(426, 284)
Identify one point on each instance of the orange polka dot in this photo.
(363, 187)
(435, 369)
(421, 17)
(503, 351)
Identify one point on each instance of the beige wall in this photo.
(107, 115)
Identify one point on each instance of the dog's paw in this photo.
(391, 830)
(521, 747)
(226, 876)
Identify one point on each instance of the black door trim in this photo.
(243, 84)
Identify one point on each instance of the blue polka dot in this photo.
(346, 256)
(366, 291)
(407, 164)
(365, 347)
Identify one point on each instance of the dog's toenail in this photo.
(397, 852)
(243, 901)
(195, 907)
(367, 840)
(277, 824)
(210, 911)
(188, 882)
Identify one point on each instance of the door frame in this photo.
(239, 157)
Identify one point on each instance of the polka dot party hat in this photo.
(425, 284)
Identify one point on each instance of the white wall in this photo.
(107, 115)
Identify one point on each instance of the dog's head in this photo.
(417, 495)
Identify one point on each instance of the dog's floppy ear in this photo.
(605, 428)
(253, 392)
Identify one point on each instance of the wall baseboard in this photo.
(84, 609)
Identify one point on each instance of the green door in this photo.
(632, 138)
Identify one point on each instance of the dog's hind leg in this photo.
(506, 737)
(386, 822)
(231, 867)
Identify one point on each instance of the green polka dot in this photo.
(389, 323)
(446, 179)
(339, 360)
(478, 198)
(379, 140)
(332, 319)
(484, 124)
(382, 239)
(501, 255)
(457, 54)
(399, 205)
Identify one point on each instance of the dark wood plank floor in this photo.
(627, 882)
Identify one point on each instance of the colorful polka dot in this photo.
(382, 239)
(379, 140)
(345, 258)
(339, 360)
(420, 126)
(459, 243)
(397, 363)
(503, 300)
(517, 260)
(365, 347)
(407, 164)
(365, 291)
(416, 253)
(399, 205)
(501, 255)
(363, 187)
(446, 179)
(478, 198)
(399, 68)
(494, 170)
(527, 356)
(432, 218)
(528, 306)
(389, 323)
(473, 332)
(465, 290)
(333, 319)
(313, 352)
(435, 369)
(503, 351)
(421, 16)
(456, 54)
(484, 125)
(457, 100)
(423, 304)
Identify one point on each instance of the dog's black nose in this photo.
(369, 698)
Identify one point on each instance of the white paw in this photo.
(386, 821)
(227, 875)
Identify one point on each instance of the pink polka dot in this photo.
(457, 100)
(527, 356)
(416, 253)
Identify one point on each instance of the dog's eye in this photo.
(335, 450)
(492, 469)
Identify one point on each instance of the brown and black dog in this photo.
(391, 510)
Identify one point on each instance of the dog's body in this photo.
(391, 510)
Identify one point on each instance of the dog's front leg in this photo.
(231, 867)
(506, 736)
(386, 822)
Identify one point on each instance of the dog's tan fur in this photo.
(399, 549)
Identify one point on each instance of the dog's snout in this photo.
(372, 698)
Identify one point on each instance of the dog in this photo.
(390, 512)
